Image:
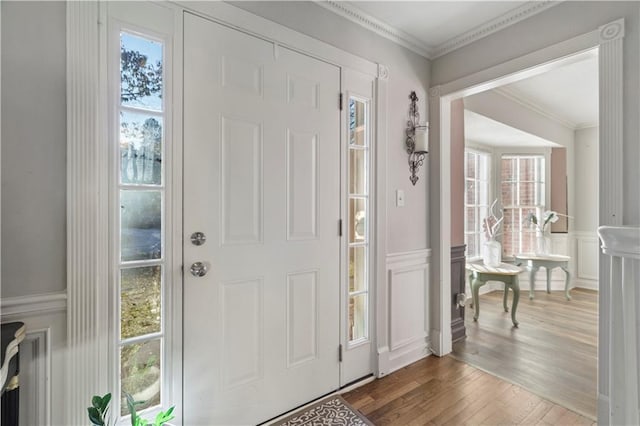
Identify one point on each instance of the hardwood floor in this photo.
(445, 391)
(552, 353)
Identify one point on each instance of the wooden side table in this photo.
(533, 262)
(506, 273)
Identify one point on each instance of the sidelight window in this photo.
(476, 201)
(141, 196)
(358, 223)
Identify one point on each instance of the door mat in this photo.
(331, 411)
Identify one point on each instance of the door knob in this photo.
(461, 300)
(199, 269)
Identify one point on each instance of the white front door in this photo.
(262, 183)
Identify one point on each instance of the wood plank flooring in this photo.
(552, 353)
(445, 391)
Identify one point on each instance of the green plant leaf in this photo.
(163, 417)
(105, 403)
(96, 402)
(131, 404)
(95, 417)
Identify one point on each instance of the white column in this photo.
(610, 213)
(87, 255)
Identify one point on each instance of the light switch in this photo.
(399, 198)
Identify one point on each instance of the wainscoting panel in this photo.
(407, 296)
(587, 248)
(42, 356)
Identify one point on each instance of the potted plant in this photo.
(99, 412)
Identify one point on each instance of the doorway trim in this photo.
(608, 39)
(88, 294)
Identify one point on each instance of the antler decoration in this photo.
(491, 224)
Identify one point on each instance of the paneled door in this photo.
(262, 186)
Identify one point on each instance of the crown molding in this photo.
(367, 21)
(512, 17)
(526, 102)
(400, 37)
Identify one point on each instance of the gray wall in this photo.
(561, 22)
(407, 226)
(33, 147)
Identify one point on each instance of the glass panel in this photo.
(484, 167)
(527, 194)
(483, 193)
(140, 72)
(470, 192)
(357, 269)
(470, 241)
(357, 122)
(140, 301)
(508, 169)
(140, 374)
(357, 171)
(358, 317)
(471, 165)
(470, 219)
(357, 220)
(508, 193)
(140, 148)
(141, 225)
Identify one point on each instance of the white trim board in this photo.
(365, 20)
(35, 304)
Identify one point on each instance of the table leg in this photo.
(566, 282)
(515, 286)
(505, 297)
(475, 290)
(548, 278)
(532, 280)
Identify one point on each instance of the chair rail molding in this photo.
(87, 239)
(609, 40)
(35, 304)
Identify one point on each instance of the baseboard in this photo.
(586, 284)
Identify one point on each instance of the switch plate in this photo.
(399, 198)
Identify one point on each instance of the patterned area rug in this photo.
(331, 411)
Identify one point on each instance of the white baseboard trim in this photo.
(586, 284)
(34, 304)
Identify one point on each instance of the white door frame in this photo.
(609, 41)
(88, 181)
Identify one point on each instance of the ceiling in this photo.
(433, 28)
(435, 22)
(485, 131)
(568, 94)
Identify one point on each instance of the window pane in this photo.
(470, 192)
(508, 194)
(470, 241)
(357, 122)
(508, 169)
(357, 269)
(471, 165)
(141, 225)
(140, 148)
(470, 219)
(140, 301)
(357, 172)
(358, 317)
(527, 194)
(357, 220)
(140, 374)
(140, 72)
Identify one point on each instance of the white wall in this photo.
(561, 22)
(33, 148)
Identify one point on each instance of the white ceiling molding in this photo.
(535, 107)
(514, 16)
(400, 37)
(372, 24)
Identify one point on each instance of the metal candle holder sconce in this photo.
(417, 142)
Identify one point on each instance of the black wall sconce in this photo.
(417, 141)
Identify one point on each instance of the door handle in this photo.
(199, 269)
